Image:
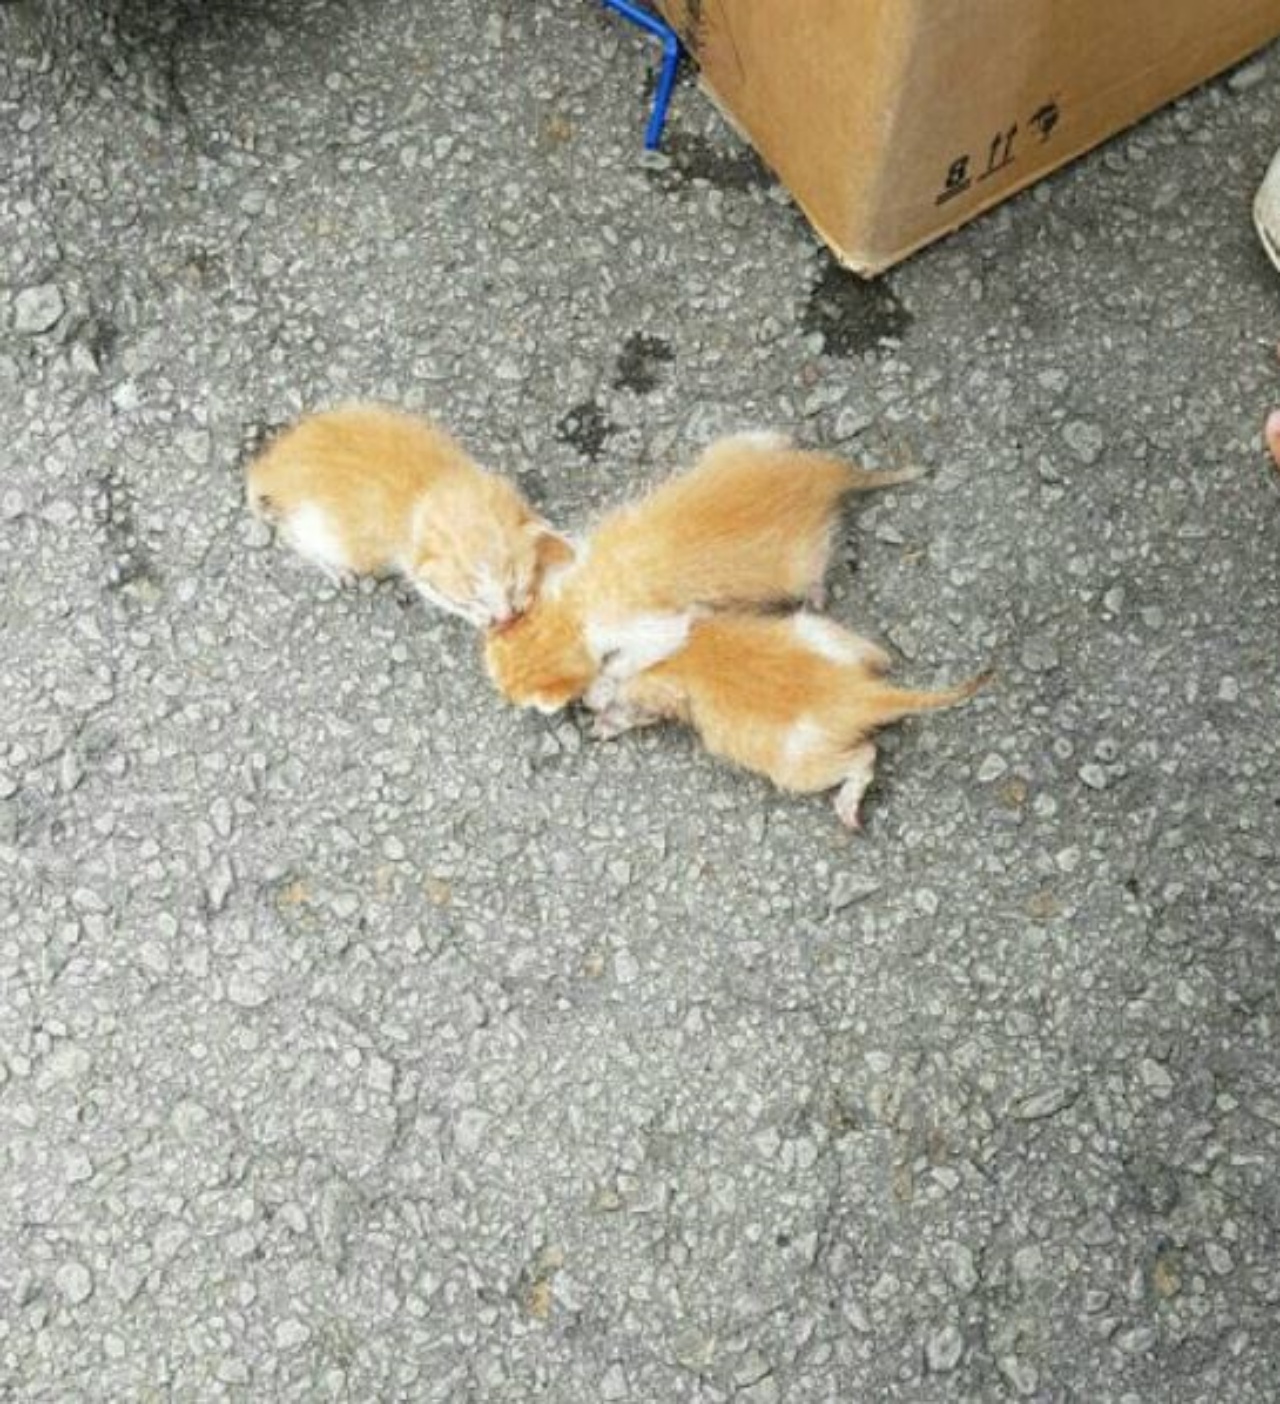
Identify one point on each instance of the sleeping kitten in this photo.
(750, 523)
(366, 489)
(796, 699)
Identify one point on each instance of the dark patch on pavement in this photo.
(586, 427)
(853, 316)
(640, 361)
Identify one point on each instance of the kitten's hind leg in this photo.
(858, 777)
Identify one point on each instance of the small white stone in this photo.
(292, 1333)
(614, 1384)
(961, 1268)
(471, 1128)
(232, 1371)
(992, 768)
(75, 1282)
(1155, 1077)
(943, 1349)
(1220, 1259)
(77, 1167)
(246, 990)
(196, 445)
(1084, 439)
(38, 309)
(1020, 1374)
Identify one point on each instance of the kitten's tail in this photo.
(859, 479)
(884, 703)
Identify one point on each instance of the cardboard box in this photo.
(893, 122)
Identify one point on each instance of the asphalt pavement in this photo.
(362, 1038)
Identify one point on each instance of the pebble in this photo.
(229, 1370)
(85, 899)
(1038, 1106)
(992, 768)
(1243, 79)
(1220, 1259)
(70, 772)
(471, 1128)
(77, 1167)
(1155, 1077)
(195, 445)
(943, 1349)
(74, 1281)
(851, 422)
(1093, 775)
(1039, 655)
(848, 888)
(219, 884)
(38, 309)
(1022, 1376)
(1084, 439)
(125, 1281)
(1136, 1340)
(614, 1384)
(255, 534)
(1228, 690)
(245, 990)
(961, 1268)
(1028, 1262)
(292, 1333)
(764, 1391)
(12, 505)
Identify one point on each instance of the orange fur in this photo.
(365, 489)
(750, 523)
(761, 693)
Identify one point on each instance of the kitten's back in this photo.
(360, 468)
(355, 448)
(756, 670)
(751, 522)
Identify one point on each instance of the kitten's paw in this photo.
(848, 804)
(607, 726)
(848, 800)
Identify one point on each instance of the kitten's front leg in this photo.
(619, 717)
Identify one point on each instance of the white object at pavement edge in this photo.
(1266, 211)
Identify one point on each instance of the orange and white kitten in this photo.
(796, 699)
(750, 523)
(365, 489)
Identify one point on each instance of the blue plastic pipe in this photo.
(660, 29)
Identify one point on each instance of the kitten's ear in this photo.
(553, 549)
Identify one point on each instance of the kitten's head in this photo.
(542, 659)
(481, 552)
